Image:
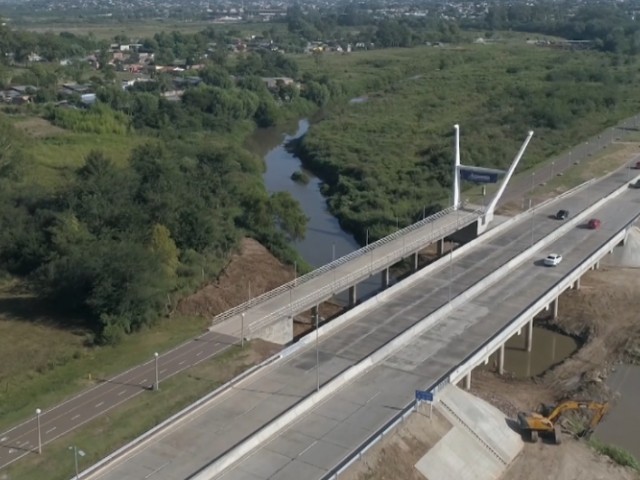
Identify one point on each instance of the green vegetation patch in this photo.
(617, 454)
(386, 159)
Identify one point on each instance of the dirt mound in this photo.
(250, 272)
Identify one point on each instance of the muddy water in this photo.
(549, 348)
(621, 426)
(324, 239)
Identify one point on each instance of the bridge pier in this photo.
(501, 360)
(529, 336)
(576, 285)
(353, 296)
(440, 247)
(467, 381)
(554, 309)
(384, 278)
(415, 262)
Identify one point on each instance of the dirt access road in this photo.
(603, 314)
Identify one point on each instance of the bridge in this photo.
(312, 409)
(270, 316)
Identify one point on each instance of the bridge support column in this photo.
(596, 266)
(384, 278)
(576, 285)
(315, 311)
(501, 360)
(353, 296)
(529, 338)
(467, 381)
(440, 247)
(554, 309)
(415, 262)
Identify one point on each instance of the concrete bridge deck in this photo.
(312, 446)
(320, 440)
(324, 282)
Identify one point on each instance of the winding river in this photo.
(324, 240)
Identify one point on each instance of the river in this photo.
(324, 239)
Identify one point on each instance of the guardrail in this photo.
(353, 278)
(329, 266)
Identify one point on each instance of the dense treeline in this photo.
(117, 245)
(387, 160)
(612, 28)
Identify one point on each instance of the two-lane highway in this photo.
(23, 438)
(254, 402)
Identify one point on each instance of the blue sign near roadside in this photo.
(480, 175)
(424, 396)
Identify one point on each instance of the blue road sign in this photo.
(480, 174)
(424, 396)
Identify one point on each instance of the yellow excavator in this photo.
(546, 420)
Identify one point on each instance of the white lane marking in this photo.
(4, 439)
(11, 450)
(75, 417)
(144, 381)
(49, 431)
(199, 353)
(182, 362)
(121, 393)
(25, 443)
(99, 405)
(163, 370)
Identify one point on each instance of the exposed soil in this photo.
(252, 271)
(603, 313)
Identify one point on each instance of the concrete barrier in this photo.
(236, 453)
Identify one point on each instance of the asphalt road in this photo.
(23, 439)
(238, 413)
(327, 434)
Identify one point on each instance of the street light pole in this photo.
(76, 452)
(156, 386)
(317, 352)
(533, 174)
(242, 330)
(450, 268)
(38, 412)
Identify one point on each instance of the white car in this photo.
(552, 260)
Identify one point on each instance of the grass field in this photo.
(144, 29)
(41, 364)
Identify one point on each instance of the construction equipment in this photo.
(546, 420)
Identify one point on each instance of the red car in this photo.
(594, 224)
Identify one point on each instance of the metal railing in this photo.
(333, 265)
(346, 281)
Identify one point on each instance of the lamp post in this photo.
(317, 352)
(38, 412)
(76, 452)
(242, 329)
(533, 174)
(156, 385)
(553, 163)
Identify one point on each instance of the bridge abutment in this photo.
(280, 331)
